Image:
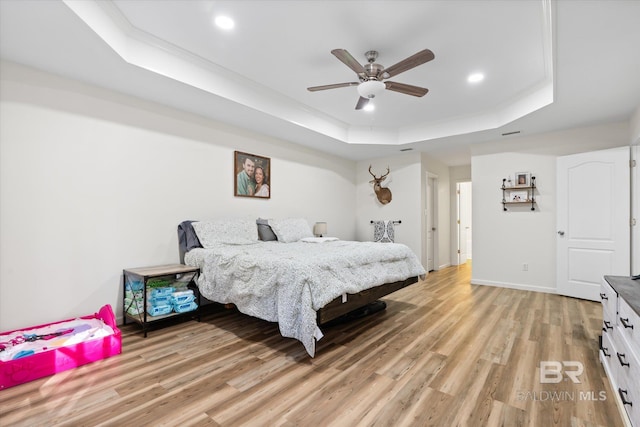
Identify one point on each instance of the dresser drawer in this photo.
(608, 349)
(623, 358)
(609, 319)
(623, 370)
(627, 390)
(608, 298)
(629, 327)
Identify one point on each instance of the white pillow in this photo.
(229, 231)
(290, 229)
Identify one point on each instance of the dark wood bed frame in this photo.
(337, 308)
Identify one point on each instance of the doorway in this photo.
(431, 222)
(464, 229)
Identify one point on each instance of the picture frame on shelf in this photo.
(519, 196)
(523, 179)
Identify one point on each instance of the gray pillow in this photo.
(264, 230)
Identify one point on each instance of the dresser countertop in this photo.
(627, 289)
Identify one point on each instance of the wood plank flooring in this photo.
(443, 353)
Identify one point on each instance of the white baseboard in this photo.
(518, 286)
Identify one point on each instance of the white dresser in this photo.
(620, 345)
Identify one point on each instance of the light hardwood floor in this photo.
(443, 353)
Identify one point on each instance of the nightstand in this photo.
(152, 294)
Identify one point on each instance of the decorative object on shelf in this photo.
(509, 182)
(251, 175)
(520, 194)
(379, 186)
(523, 179)
(320, 229)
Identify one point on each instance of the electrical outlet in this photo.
(525, 267)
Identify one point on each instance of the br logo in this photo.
(552, 371)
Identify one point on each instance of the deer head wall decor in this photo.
(383, 194)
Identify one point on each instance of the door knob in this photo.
(561, 233)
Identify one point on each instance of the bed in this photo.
(277, 271)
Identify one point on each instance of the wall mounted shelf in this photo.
(519, 195)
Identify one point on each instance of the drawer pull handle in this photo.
(605, 351)
(603, 296)
(625, 323)
(623, 394)
(607, 325)
(620, 357)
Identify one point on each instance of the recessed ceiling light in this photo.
(224, 22)
(369, 107)
(475, 77)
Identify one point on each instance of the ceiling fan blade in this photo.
(333, 86)
(362, 102)
(409, 63)
(349, 61)
(406, 89)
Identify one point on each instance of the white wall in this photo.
(408, 187)
(634, 127)
(405, 204)
(504, 241)
(92, 182)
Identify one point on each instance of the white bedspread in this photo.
(288, 282)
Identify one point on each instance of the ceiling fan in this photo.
(371, 75)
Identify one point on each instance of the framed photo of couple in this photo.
(251, 175)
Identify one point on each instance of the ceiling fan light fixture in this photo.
(370, 88)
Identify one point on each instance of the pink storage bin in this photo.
(38, 365)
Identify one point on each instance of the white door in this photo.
(464, 221)
(431, 227)
(593, 220)
(635, 209)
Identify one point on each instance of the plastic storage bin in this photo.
(49, 362)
